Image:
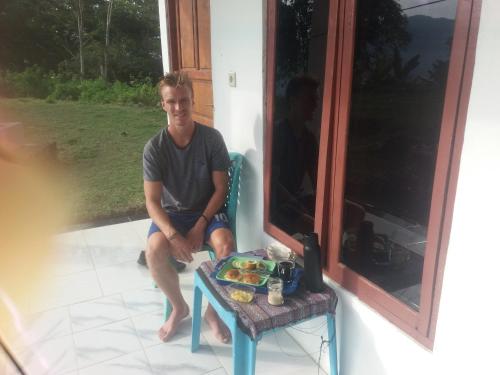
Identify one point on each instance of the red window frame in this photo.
(421, 324)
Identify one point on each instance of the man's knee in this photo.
(223, 243)
(226, 249)
(157, 249)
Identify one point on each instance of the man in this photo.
(185, 184)
(295, 158)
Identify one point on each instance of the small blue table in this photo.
(248, 322)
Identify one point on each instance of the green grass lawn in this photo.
(100, 147)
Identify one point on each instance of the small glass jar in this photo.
(275, 291)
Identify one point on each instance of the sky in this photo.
(445, 9)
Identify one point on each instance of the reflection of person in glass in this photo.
(295, 159)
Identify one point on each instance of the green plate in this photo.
(264, 269)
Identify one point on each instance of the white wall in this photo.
(237, 45)
(467, 330)
(164, 35)
(471, 279)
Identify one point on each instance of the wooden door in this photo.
(190, 51)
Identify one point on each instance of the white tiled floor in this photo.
(101, 313)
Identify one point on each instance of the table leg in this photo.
(251, 350)
(244, 349)
(332, 346)
(195, 335)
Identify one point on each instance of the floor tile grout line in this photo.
(137, 334)
(143, 349)
(72, 273)
(118, 263)
(88, 248)
(109, 359)
(216, 369)
(120, 291)
(215, 352)
(99, 280)
(41, 341)
(308, 354)
(98, 267)
(212, 350)
(68, 306)
(142, 346)
(78, 242)
(90, 299)
(136, 230)
(314, 357)
(147, 359)
(303, 352)
(73, 332)
(140, 341)
(74, 342)
(121, 227)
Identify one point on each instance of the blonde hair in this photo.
(175, 79)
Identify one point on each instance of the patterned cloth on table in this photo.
(259, 316)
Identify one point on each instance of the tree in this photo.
(294, 30)
(381, 32)
(106, 45)
(73, 37)
(79, 21)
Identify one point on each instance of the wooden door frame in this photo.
(174, 43)
(172, 39)
(175, 55)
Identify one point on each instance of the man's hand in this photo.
(196, 235)
(181, 248)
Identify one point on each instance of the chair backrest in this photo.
(231, 203)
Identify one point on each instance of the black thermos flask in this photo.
(312, 263)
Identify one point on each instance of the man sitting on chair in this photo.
(185, 184)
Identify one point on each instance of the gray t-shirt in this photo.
(185, 173)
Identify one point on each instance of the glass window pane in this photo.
(402, 53)
(300, 62)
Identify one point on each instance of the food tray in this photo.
(288, 288)
(263, 269)
(262, 264)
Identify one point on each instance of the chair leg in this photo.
(244, 349)
(196, 326)
(332, 338)
(167, 309)
(211, 254)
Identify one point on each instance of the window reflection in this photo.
(300, 60)
(400, 69)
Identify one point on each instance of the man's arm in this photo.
(180, 247)
(196, 234)
(220, 180)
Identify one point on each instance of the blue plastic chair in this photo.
(230, 206)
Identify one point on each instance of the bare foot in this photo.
(169, 328)
(220, 330)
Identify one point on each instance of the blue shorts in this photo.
(183, 222)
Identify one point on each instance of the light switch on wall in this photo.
(232, 79)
